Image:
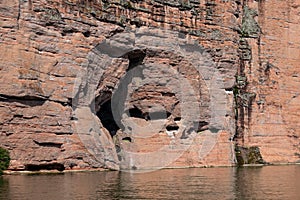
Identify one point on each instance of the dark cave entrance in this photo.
(105, 113)
(106, 117)
(137, 113)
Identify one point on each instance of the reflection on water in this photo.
(270, 182)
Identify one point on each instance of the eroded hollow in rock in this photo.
(177, 119)
(105, 114)
(127, 139)
(156, 95)
(137, 113)
(135, 58)
(172, 128)
(50, 166)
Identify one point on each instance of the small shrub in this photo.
(4, 160)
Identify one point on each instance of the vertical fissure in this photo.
(19, 14)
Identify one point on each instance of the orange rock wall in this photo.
(45, 44)
(273, 75)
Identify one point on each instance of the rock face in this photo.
(148, 84)
(269, 82)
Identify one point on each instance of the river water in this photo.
(268, 182)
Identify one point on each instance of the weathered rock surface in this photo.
(269, 116)
(147, 84)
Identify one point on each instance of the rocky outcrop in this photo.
(147, 84)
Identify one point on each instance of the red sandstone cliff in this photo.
(63, 61)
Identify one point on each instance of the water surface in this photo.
(269, 182)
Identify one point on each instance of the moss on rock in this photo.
(4, 160)
(251, 155)
(250, 27)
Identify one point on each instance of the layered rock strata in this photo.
(148, 84)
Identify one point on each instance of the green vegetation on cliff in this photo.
(4, 160)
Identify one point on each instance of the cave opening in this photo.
(105, 113)
(135, 58)
(177, 119)
(136, 113)
(46, 166)
(127, 139)
(106, 117)
(172, 128)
